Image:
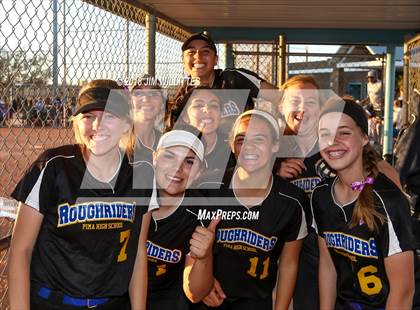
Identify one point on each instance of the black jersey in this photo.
(144, 153)
(358, 254)
(220, 158)
(247, 82)
(167, 246)
(87, 243)
(310, 177)
(306, 291)
(247, 251)
(238, 79)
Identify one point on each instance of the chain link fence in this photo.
(48, 50)
(260, 58)
(412, 77)
(340, 68)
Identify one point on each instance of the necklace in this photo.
(260, 201)
(212, 147)
(113, 175)
(153, 141)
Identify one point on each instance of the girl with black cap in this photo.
(362, 220)
(79, 224)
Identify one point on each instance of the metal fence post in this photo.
(281, 76)
(127, 60)
(406, 104)
(151, 44)
(55, 47)
(229, 55)
(389, 99)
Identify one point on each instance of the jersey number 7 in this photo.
(124, 236)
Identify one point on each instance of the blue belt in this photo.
(45, 293)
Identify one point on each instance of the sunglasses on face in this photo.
(146, 93)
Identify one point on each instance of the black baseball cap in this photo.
(105, 95)
(200, 36)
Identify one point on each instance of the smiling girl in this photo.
(362, 220)
(176, 236)
(76, 236)
(148, 101)
(203, 110)
(247, 250)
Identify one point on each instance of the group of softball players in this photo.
(115, 221)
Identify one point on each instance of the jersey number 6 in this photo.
(124, 236)
(369, 283)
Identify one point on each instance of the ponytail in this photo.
(365, 211)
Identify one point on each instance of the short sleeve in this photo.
(314, 212)
(297, 226)
(397, 234)
(36, 185)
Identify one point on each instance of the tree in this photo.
(20, 68)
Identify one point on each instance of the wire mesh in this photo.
(257, 57)
(48, 50)
(340, 68)
(413, 75)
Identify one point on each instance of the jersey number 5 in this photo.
(253, 269)
(369, 283)
(124, 236)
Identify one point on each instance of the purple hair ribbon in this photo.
(358, 186)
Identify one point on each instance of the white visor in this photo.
(265, 115)
(182, 138)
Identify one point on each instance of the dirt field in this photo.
(19, 147)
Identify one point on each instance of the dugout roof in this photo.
(322, 21)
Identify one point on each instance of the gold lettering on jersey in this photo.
(98, 226)
(101, 226)
(240, 247)
(95, 211)
(349, 256)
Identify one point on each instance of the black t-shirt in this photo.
(247, 251)
(144, 153)
(88, 240)
(358, 253)
(235, 102)
(221, 157)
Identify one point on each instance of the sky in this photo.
(92, 43)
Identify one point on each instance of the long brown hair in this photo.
(365, 211)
